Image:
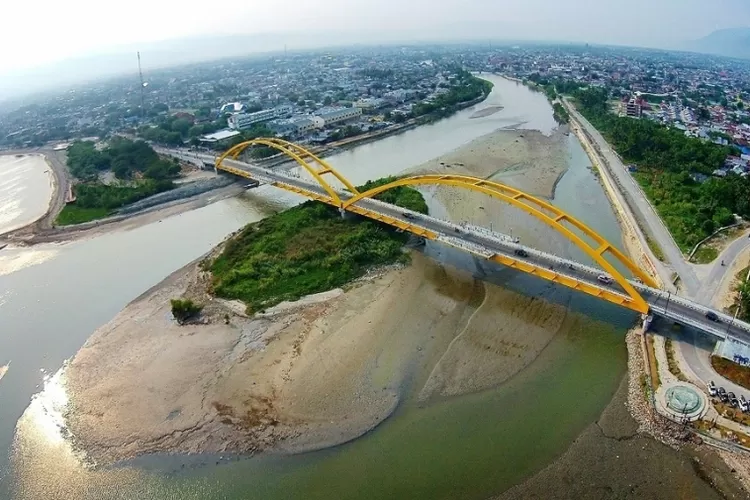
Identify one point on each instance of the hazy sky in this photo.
(35, 32)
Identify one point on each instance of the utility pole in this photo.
(143, 85)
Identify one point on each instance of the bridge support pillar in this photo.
(345, 214)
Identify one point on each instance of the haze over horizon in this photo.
(82, 28)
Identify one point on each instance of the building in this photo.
(297, 126)
(242, 121)
(338, 115)
(368, 103)
(633, 108)
(219, 137)
(232, 107)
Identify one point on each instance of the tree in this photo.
(327, 101)
(182, 125)
(184, 310)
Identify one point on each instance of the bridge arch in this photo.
(540, 209)
(298, 154)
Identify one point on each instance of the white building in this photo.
(220, 136)
(368, 103)
(242, 121)
(337, 115)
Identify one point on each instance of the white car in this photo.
(603, 278)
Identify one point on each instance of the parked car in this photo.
(744, 405)
(733, 400)
(713, 316)
(521, 252)
(712, 388)
(603, 278)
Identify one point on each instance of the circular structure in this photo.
(683, 399)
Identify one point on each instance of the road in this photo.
(711, 284)
(641, 208)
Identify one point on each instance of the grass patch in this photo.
(731, 371)
(674, 367)
(307, 249)
(653, 364)
(739, 281)
(705, 255)
(72, 214)
(655, 248)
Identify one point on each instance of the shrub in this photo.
(185, 309)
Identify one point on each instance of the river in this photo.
(25, 190)
(52, 297)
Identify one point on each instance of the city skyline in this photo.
(80, 28)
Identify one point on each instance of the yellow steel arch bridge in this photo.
(552, 216)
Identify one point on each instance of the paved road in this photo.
(642, 209)
(717, 274)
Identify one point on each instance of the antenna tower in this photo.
(140, 75)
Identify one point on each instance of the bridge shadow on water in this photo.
(531, 286)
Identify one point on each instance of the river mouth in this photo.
(465, 446)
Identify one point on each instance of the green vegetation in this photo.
(552, 88)
(135, 162)
(655, 248)
(560, 113)
(96, 200)
(742, 299)
(666, 158)
(705, 255)
(73, 214)
(185, 309)
(674, 367)
(731, 371)
(307, 249)
(465, 88)
(127, 159)
(653, 364)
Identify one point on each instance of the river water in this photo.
(53, 297)
(25, 190)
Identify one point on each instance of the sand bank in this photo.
(311, 374)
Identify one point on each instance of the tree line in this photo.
(668, 163)
(125, 158)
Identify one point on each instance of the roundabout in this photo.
(682, 401)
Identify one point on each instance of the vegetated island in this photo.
(308, 249)
(229, 380)
(136, 171)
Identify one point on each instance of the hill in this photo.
(731, 42)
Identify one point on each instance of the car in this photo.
(724, 397)
(713, 316)
(603, 278)
(408, 215)
(722, 391)
(712, 388)
(744, 405)
(733, 399)
(521, 252)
